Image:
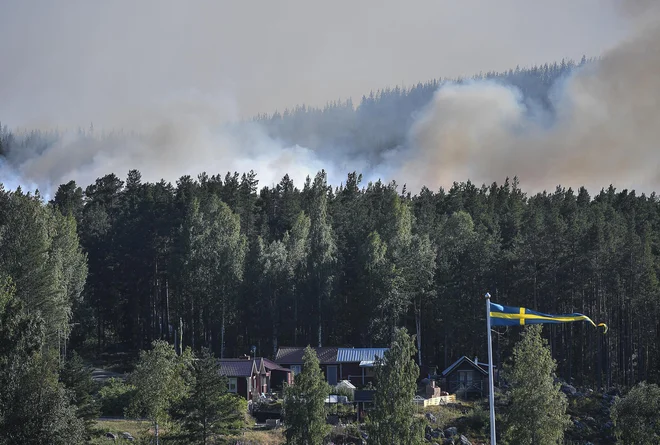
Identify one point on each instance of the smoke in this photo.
(605, 127)
(165, 78)
(163, 144)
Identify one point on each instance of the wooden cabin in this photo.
(466, 378)
(353, 364)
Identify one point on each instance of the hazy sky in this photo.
(69, 62)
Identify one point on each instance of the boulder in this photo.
(451, 431)
(568, 389)
(464, 441)
(431, 418)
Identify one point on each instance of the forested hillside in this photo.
(382, 119)
(225, 263)
(238, 266)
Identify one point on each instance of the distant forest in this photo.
(382, 119)
(221, 262)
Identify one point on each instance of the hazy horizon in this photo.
(174, 72)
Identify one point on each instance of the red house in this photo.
(242, 374)
(272, 377)
(353, 364)
(251, 377)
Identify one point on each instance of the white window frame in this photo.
(232, 385)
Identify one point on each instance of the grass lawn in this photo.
(135, 427)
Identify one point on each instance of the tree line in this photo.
(217, 262)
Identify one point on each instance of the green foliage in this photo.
(209, 409)
(39, 249)
(33, 404)
(77, 378)
(537, 410)
(40, 407)
(478, 419)
(304, 404)
(115, 397)
(342, 391)
(636, 416)
(159, 380)
(392, 419)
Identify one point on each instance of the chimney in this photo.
(245, 357)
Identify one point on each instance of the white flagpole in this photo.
(491, 385)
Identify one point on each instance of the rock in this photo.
(448, 442)
(431, 418)
(112, 436)
(590, 420)
(428, 430)
(568, 389)
(437, 433)
(464, 441)
(451, 431)
(579, 425)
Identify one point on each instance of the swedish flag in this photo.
(516, 316)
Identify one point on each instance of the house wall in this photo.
(479, 381)
(277, 378)
(241, 385)
(353, 373)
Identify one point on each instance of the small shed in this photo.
(466, 378)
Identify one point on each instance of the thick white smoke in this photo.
(605, 128)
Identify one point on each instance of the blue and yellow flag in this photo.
(516, 316)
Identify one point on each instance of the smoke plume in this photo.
(604, 128)
(160, 81)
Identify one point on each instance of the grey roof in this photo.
(461, 360)
(294, 355)
(351, 355)
(236, 367)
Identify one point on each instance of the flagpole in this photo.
(491, 385)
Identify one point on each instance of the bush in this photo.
(637, 415)
(342, 391)
(478, 419)
(115, 398)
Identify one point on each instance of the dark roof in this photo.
(236, 367)
(294, 355)
(464, 359)
(270, 365)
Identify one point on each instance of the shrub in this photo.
(342, 391)
(115, 397)
(478, 419)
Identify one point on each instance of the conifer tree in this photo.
(209, 409)
(537, 411)
(637, 415)
(304, 404)
(392, 419)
